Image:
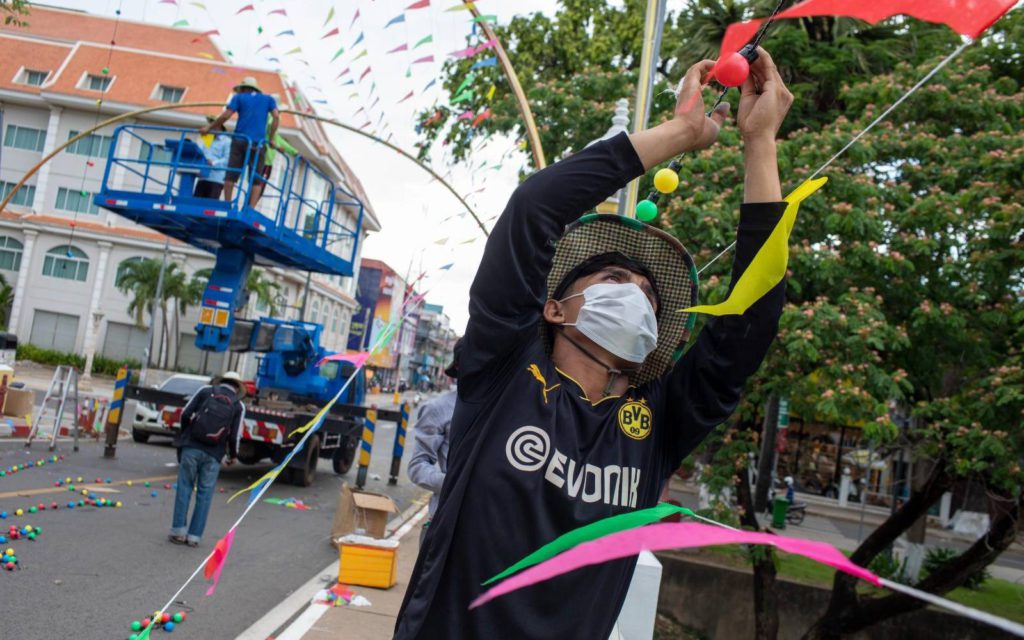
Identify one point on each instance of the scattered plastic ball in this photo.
(71, 505)
(165, 617)
(178, 617)
(666, 180)
(78, 479)
(134, 636)
(145, 622)
(168, 626)
(42, 507)
(109, 480)
(19, 512)
(85, 492)
(167, 486)
(9, 566)
(118, 504)
(99, 480)
(9, 552)
(646, 210)
(53, 505)
(32, 509)
(29, 528)
(3, 539)
(152, 494)
(129, 483)
(183, 616)
(146, 484)
(31, 536)
(106, 69)
(3, 515)
(733, 70)
(67, 480)
(58, 483)
(136, 625)
(81, 503)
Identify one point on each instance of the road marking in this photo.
(91, 486)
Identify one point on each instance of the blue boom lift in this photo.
(299, 224)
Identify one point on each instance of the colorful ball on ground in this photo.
(67, 480)
(167, 486)
(42, 507)
(81, 503)
(53, 505)
(3, 515)
(136, 625)
(165, 617)
(178, 617)
(32, 509)
(78, 479)
(9, 566)
(133, 636)
(732, 71)
(71, 505)
(152, 494)
(666, 180)
(118, 505)
(146, 484)
(183, 616)
(29, 528)
(646, 210)
(145, 622)
(109, 480)
(129, 483)
(168, 626)
(19, 512)
(31, 535)
(3, 539)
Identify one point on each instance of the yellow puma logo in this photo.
(535, 370)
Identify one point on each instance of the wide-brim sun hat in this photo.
(675, 277)
(233, 378)
(249, 81)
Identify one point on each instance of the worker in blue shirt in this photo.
(211, 181)
(251, 131)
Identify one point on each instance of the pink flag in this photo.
(332, 32)
(465, 115)
(658, 537)
(211, 32)
(356, 359)
(368, 123)
(401, 47)
(483, 116)
(247, 7)
(424, 59)
(279, 11)
(217, 559)
(422, 4)
(354, 18)
(364, 74)
(266, 46)
(472, 51)
(342, 73)
(407, 96)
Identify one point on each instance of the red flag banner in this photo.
(407, 96)
(247, 7)
(401, 47)
(332, 32)
(422, 4)
(424, 59)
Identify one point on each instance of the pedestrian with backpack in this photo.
(211, 425)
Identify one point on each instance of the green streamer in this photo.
(424, 40)
(340, 51)
(488, 18)
(593, 531)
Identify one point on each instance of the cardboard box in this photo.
(18, 403)
(367, 562)
(361, 512)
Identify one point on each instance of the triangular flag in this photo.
(293, 51)
(441, 242)
(486, 62)
(180, 23)
(247, 7)
(339, 52)
(429, 58)
(347, 82)
(483, 116)
(363, 54)
(407, 96)
(364, 74)
(217, 559)
(198, 4)
(465, 115)
(422, 4)
(211, 32)
(269, 59)
(401, 47)
(346, 70)
(278, 11)
(468, 80)
(465, 95)
(168, 2)
(332, 32)
(354, 18)
(768, 267)
(490, 92)
(286, 32)
(430, 84)
(462, 7)
(487, 18)
(375, 104)
(358, 40)
(330, 14)
(266, 46)
(367, 124)
(446, 267)
(396, 20)
(423, 41)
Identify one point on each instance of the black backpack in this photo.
(212, 420)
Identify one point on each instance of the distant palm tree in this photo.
(256, 284)
(138, 279)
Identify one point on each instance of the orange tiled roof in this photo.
(75, 26)
(96, 227)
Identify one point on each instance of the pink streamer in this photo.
(216, 561)
(355, 358)
(659, 537)
(472, 51)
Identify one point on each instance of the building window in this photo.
(169, 94)
(32, 77)
(25, 196)
(24, 138)
(92, 145)
(67, 262)
(10, 253)
(334, 321)
(75, 201)
(123, 266)
(160, 154)
(96, 83)
(314, 312)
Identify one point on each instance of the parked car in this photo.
(158, 420)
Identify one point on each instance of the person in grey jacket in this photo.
(429, 459)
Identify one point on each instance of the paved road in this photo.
(94, 570)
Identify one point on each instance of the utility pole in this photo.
(152, 314)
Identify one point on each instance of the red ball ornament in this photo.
(166, 617)
(183, 615)
(145, 622)
(732, 71)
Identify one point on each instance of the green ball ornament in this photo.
(136, 625)
(646, 210)
(176, 617)
(666, 181)
(106, 70)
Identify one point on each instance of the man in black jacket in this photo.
(572, 403)
(211, 425)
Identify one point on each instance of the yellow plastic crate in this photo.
(368, 566)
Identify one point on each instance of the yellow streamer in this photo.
(768, 267)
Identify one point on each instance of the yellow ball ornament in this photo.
(666, 181)
(129, 483)
(19, 512)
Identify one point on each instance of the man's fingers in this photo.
(691, 82)
(720, 114)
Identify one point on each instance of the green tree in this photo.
(6, 300)
(138, 280)
(13, 10)
(906, 287)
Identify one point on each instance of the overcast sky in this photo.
(417, 216)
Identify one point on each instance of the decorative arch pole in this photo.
(220, 105)
(524, 105)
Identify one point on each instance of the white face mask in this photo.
(618, 318)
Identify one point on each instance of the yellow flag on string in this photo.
(768, 267)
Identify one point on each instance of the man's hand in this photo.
(698, 130)
(204, 130)
(764, 101)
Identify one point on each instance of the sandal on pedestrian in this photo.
(192, 543)
(177, 539)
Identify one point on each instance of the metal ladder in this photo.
(63, 387)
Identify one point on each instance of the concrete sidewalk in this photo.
(373, 622)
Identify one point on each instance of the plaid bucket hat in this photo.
(663, 255)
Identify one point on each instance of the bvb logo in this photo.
(635, 420)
